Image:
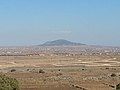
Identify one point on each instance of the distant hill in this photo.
(60, 42)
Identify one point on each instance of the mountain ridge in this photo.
(60, 42)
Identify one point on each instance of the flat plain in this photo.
(63, 71)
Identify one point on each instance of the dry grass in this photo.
(63, 73)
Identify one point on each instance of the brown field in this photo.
(63, 72)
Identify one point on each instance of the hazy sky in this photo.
(30, 22)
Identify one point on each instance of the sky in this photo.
(32, 22)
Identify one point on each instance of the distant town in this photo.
(59, 47)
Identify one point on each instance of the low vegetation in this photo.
(113, 75)
(7, 83)
(118, 87)
(41, 71)
(12, 70)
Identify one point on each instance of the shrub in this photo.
(59, 74)
(41, 71)
(28, 69)
(7, 83)
(113, 75)
(107, 68)
(118, 87)
(12, 70)
(83, 69)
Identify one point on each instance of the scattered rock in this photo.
(107, 68)
(59, 74)
(109, 85)
(112, 86)
(76, 86)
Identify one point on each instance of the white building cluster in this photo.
(59, 50)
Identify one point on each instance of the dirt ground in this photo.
(63, 72)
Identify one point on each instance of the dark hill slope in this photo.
(60, 42)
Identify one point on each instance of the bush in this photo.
(118, 87)
(7, 83)
(12, 70)
(41, 71)
(113, 75)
